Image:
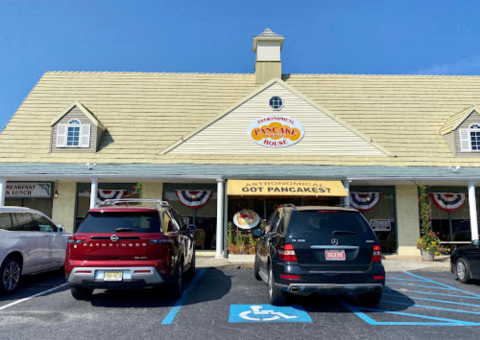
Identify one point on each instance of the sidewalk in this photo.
(392, 263)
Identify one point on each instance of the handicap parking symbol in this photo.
(267, 313)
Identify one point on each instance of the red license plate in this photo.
(335, 255)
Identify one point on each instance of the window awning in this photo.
(285, 188)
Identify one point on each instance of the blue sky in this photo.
(322, 36)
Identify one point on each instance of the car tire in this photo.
(256, 269)
(370, 299)
(276, 296)
(176, 287)
(80, 293)
(192, 270)
(10, 274)
(462, 270)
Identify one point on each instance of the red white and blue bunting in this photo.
(103, 195)
(194, 199)
(364, 201)
(448, 201)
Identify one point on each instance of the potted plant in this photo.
(429, 242)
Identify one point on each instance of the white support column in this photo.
(3, 187)
(472, 202)
(219, 245)
(93, 193)
(346, 184)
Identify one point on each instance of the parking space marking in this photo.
(31, 297)
(267, 313)
(448, 322)
(433, 300)
(359, 311)
(175, 309)
(443, 284)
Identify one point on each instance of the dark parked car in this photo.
(327, 250)
(465, 262)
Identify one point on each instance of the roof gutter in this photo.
(473, 179)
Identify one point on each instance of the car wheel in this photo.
(276, 296)
(10, 274)
(463, 271)
(177, 284)
(370, 299)
(256, 269)
(81, 293)
(192, 270)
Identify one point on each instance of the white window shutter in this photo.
(465, 140)
(61, 135)
(85, 136)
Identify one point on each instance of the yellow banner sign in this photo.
(285, 188)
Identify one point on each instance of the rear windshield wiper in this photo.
(125, 229)
(343, 232)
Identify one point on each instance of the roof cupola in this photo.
(268, 64)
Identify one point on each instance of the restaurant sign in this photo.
(276, 131)
(28, 190)
(285, 188)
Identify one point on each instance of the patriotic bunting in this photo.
(364, 201)
(194, 199)
(103, 195)
(448, 201)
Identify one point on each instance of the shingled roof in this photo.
(146, 112)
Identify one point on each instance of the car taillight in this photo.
(377, 254)
(379, 277)
(76, 239)
(287, 253)
(290, 277)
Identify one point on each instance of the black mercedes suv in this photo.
(327, 250)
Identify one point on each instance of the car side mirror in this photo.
(61, 230)
(475, 243)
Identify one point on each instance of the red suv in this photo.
(125, 243)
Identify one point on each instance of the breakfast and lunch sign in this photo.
(284, 188)
(276, 131)
(28, 190)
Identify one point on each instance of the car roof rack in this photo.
(125, 201)
(343, 206)
(288, 205)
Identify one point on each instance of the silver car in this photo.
(29, 243)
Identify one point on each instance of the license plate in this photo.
(113, 276)
(335, 255)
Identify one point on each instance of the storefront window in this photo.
(105, 191)
(198, 202)
(450, 214)
(377, 204)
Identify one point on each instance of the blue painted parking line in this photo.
(267, 313)
(175, 309)
(446, 322)
(398, 279)
(442, 284)
(412, 285)
(436, 294)
(455, 313)
(432, 300)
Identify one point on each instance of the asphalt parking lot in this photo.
(231, 304)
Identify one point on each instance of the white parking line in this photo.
(31, 297)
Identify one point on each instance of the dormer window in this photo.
(470, 138)
(74, 134)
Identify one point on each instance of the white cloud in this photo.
(466, 66)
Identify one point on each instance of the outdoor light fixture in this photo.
(56, 194)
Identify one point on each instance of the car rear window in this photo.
(328, 222)
(113, 222)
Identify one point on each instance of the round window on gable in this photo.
(276, 103)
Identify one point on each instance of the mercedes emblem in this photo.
(334, 241)
(114, 238)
